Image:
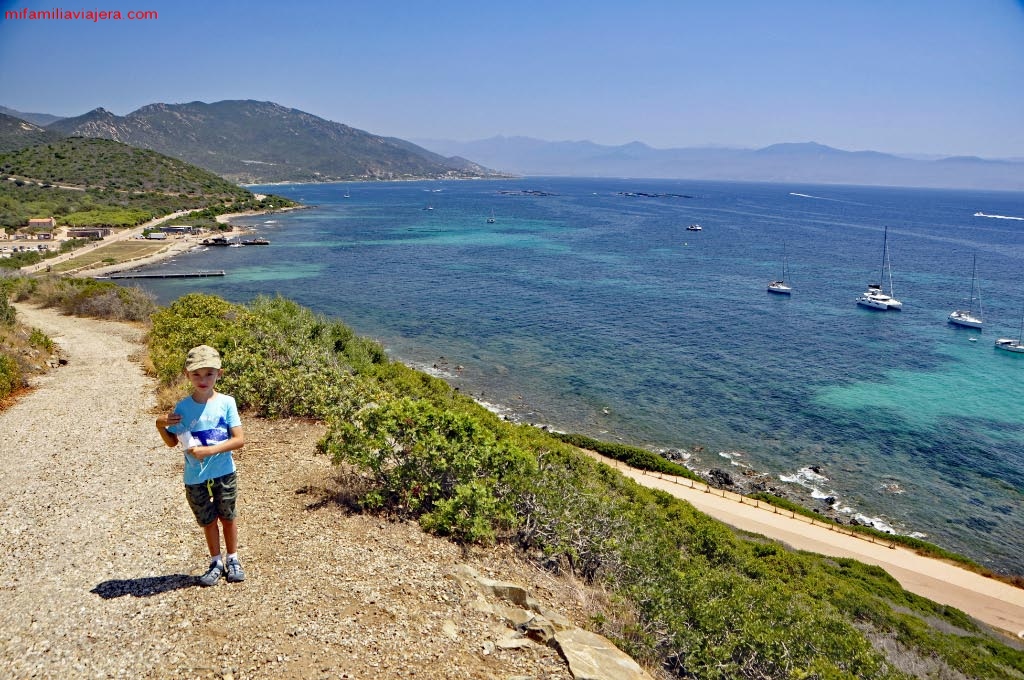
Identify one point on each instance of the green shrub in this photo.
(430, 462)
(39, 339)
(7, 311)
(87, 297)
(279, 359)
(10, 375)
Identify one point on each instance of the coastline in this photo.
(733, 474)
(176, 246)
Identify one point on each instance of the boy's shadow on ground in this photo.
(144, 587)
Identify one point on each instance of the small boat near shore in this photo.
(256, 242)
(217, 241)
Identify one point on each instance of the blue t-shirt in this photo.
(205, 425)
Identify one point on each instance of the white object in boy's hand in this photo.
(188, 442)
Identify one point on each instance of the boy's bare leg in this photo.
(212, 532)
(230, 536)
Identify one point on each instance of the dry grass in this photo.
(112, 253)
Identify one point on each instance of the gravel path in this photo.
(99, 552)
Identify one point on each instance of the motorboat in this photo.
(694, 227)
(1011, 345)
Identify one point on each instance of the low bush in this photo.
(10, 375)
(86, 297)
(7, 312)
(279, 358)
(41, 340)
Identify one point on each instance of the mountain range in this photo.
(808, 162)
(253, 142)
(258, 142)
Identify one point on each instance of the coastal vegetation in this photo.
(686, 593)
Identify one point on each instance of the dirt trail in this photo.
(99, 552)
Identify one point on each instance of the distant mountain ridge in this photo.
(18, 133)
(251, 142)
(40, 119)
(808, 162)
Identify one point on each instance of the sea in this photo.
(587, 306)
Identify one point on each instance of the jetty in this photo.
(167, 275)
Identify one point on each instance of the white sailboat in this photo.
(1011, 345)
(780, 287)
(490, 220)
(968, 317)
(874, 297)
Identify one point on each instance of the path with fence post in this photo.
(993, 602)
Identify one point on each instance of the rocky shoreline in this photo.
(748, 481)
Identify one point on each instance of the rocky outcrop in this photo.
(590, 656)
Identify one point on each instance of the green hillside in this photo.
(76, 177)
(106, 164)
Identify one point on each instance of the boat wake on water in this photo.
(999, 217)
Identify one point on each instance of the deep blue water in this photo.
(597, 312)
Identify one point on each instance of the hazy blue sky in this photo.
(901, 76)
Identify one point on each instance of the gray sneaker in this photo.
(234, 571)
(213, 574)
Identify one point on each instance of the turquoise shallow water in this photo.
(596, 311)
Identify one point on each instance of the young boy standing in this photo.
(207, 425)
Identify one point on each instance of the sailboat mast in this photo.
(885, 250)
(976, 284)
(886, 262)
